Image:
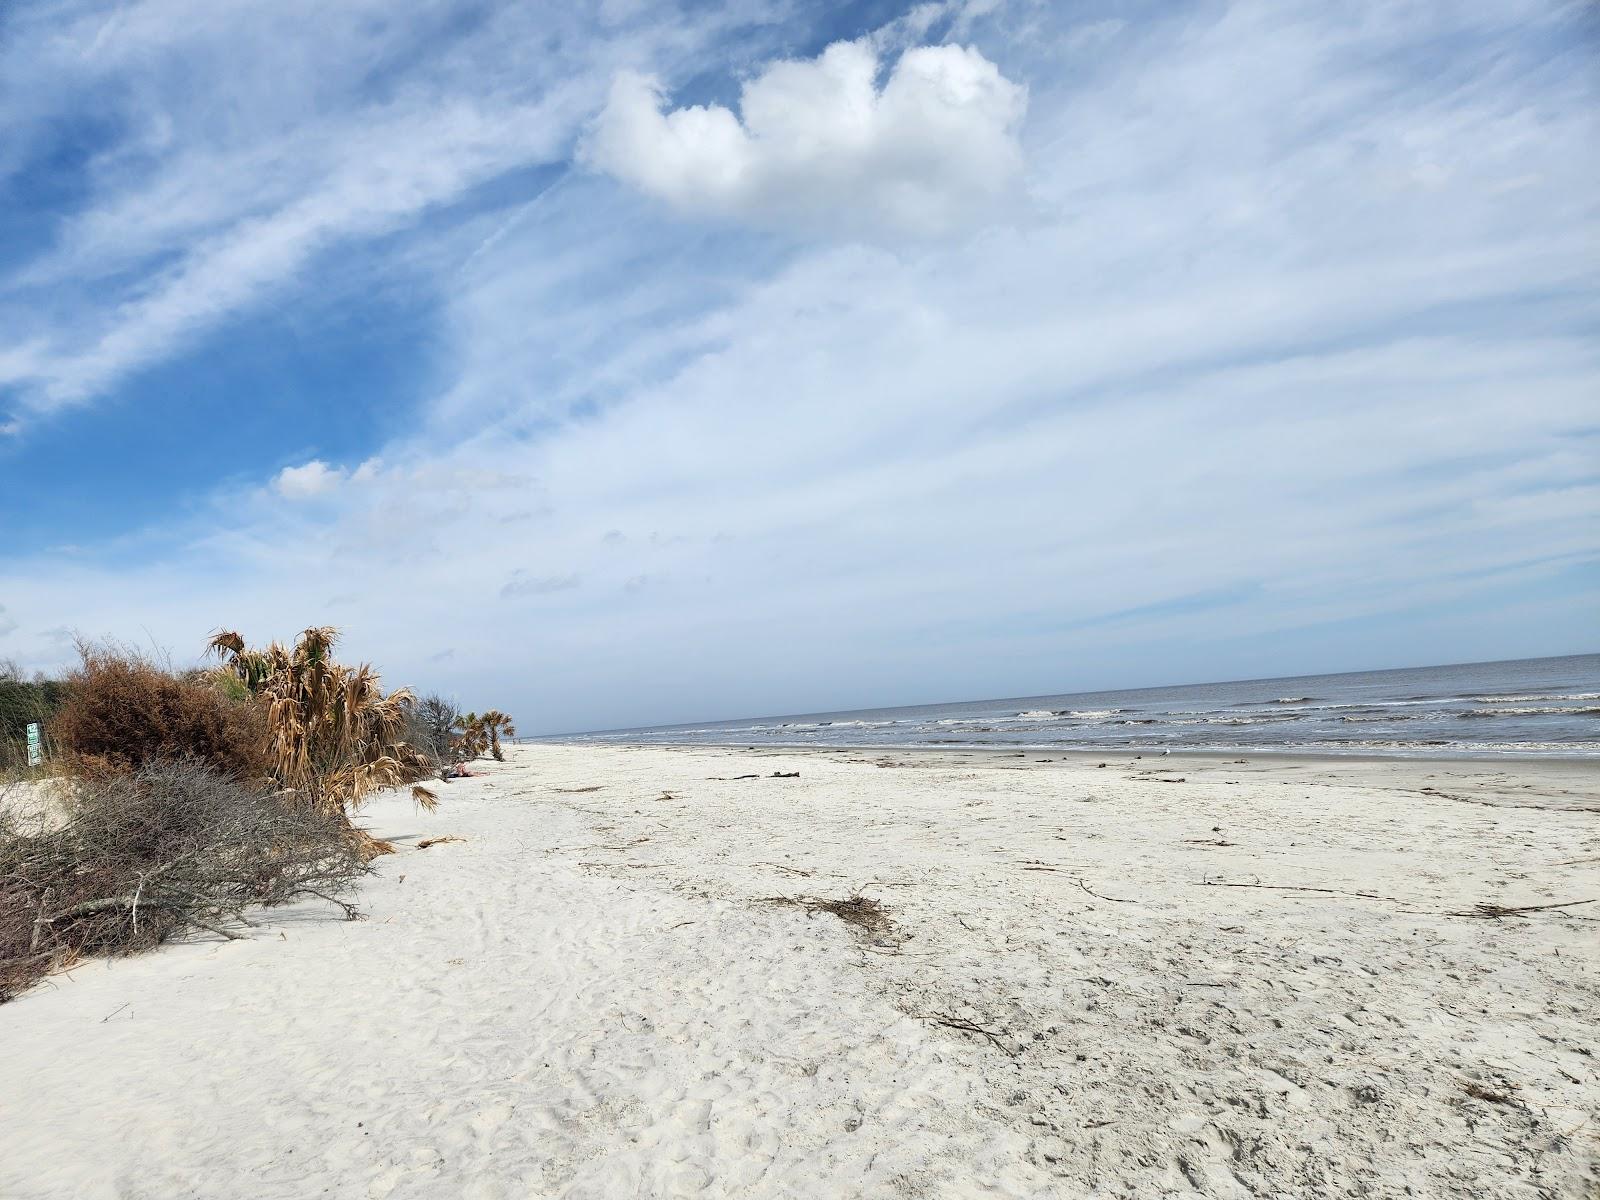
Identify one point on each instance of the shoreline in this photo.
(1557, 761)
(1175, 976)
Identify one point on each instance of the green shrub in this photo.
(23, 702)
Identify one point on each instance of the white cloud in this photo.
(312, 479)
(818, 145)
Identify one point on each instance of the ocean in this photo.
(1529, 707)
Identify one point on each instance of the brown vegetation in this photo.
(122, 710)
(862, 912)
(333, 735)
(185, 798)
(141, 857)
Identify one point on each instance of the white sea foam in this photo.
(1523, 699)
(1567, 710)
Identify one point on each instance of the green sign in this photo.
(35, 751)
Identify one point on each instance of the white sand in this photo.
(587, 997)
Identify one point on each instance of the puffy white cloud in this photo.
(315, 478)
(818, 145)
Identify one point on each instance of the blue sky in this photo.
(637, 363)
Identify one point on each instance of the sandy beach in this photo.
(631, 978)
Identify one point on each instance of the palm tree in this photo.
(495, 723)
(334, 736)
(472, 739)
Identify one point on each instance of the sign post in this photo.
(35, 750)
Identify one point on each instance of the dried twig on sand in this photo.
(438, 841)
(781, 867)
(1493, 912)
(1038, 866)
(1482, 911)
(1098, 896)
(577, 791)
(950, 1021)
(1291, 887)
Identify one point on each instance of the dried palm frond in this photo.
(334, 735)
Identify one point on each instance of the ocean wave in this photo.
(1293, 700)
(1375, 705)
(1569, 711)
(1523, 699)
(1266, 720)
(1453, 746)
(1387, 717)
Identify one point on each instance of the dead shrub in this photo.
(123, 710)
(143, 857)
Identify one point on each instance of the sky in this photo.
(633, 363)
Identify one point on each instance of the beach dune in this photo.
(683, 972)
